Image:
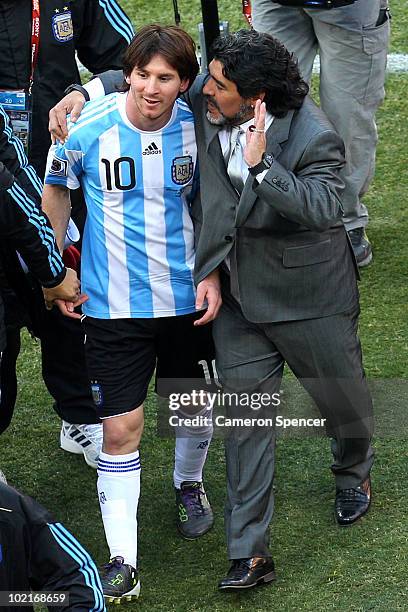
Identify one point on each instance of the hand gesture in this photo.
(255, 136)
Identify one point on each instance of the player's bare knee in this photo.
(122, 434)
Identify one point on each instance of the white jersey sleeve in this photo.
(64, 166)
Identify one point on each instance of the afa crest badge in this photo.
(97, 394)
(58, 167)
(62, 27)
(182, 170)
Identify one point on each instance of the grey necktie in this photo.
(234, 158)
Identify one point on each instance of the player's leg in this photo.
(121, 360)
(66, 378)
(118, 486)
(185, 361)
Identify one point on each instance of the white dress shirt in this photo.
(223, 136)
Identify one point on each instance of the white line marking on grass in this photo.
(396, 62)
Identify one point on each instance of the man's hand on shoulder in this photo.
(209, 289)
(73, 104)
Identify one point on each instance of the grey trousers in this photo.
(353, 54)
(325, 355)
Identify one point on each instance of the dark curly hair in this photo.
(257, 63)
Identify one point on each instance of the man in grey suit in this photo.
(288, 278)
(270, 220)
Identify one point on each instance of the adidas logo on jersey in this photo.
(152, 149)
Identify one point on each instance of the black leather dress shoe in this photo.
(352, 504)
(247, 573)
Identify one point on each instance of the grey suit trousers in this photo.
(353, 54)
(325, 355)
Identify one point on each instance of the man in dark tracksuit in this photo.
(27, 229)
(99, 32)
(39, 554)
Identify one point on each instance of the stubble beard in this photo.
(244, 113)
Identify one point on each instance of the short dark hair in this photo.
(256, 63)
(171, 42)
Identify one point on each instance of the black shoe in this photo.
(352, 504)
(248, 573)
(120, 582)
(361, 246)
(194, 514)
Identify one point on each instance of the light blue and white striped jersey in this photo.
(138, 244)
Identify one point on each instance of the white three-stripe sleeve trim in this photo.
(86, 566)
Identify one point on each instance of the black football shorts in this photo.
(122, 355)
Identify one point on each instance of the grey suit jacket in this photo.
(294, 260)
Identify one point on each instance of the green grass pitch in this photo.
(319, 566)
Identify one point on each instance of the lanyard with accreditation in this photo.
(18, 103)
